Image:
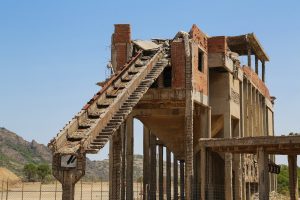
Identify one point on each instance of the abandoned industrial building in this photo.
(209, 115)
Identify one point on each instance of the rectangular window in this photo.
(200, 60)
(167, 74)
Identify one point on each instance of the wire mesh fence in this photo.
(17, 190)
(53, 191)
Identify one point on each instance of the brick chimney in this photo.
(121, 46)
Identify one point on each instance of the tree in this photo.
(30, 171)
(43, 170)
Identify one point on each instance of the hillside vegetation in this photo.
(15, 153)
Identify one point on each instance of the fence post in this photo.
(101, 189)
(22, 190)
(55, 189)
(2, 189)
(81, 189)
(92, 189)
(7, 189)
(40, 191)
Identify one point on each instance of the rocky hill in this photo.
(15, 152)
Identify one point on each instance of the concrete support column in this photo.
(189, 114)
(293, 179)
(263, 71)
(123, 163)
(153, 167)
(146, 162)
(203, 172)
(189, 151)
(68, 177)
(129, 158)
(263, 174)
(256, 64)
(238, 177)
(249, 56)
(115, 154)
(228, 177)
(68, 190)
(228, 159)
(208, 122)
(181, 165)
(168, 174)
(175, 178)
(160, 172)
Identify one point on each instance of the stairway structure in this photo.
(99, 119)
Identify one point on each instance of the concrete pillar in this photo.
(189, 152)
(189, 114)
(293, 178)
(208, 122)
(263, 71)
(263, 174)
(249, 56)
(203, 172)
(129, 158)
(123, 163)
(68, 177)
(182, 194)
(238, 177)
(153, 167)
(228, 177)
(146, 162)
(175, 178)
(168, 174)
(256, 64)
(228, 159)
(115, 166)
(160, 172)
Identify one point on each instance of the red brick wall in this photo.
(121, 38)
(217, 44)
(178, 64)
(199, 78)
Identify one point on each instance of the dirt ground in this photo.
(36, 191)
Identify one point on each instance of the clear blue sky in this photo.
(53, 52)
